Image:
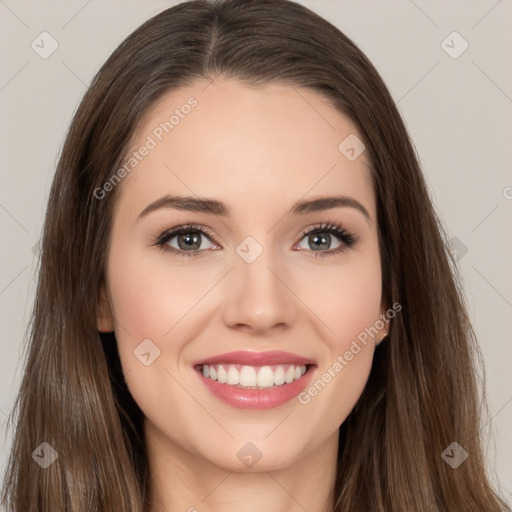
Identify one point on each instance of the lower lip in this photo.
(258, 399)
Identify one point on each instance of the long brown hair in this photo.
(422, 393)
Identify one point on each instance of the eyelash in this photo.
(347, 239)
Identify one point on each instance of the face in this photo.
(253, 291)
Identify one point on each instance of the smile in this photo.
(255, 380)
(254, 377)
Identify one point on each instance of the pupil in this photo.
(316, 238)
(189, 241)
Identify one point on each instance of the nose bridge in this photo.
(258, 296)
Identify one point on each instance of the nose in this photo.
(258, 297)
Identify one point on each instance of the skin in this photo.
(274, 144)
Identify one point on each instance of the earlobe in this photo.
(382, 339)
(104, 321)
(382, 336)
(382, 324)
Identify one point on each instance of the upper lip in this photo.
(245, 357)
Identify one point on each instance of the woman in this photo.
(245, 298)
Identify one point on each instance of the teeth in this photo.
(252, 376)
(247, 376)
(233, 375)
(265, 377)
(290, 374)
(279, 376)
(222, 376)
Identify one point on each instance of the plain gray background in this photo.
(457, 106)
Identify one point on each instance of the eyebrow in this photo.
(215, 207)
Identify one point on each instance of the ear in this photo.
(385, 320)
(104, 321)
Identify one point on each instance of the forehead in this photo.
(229, 140)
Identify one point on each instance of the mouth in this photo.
(255, 380)
(253, 377)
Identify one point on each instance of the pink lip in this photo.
(257, 399)
(257, 358)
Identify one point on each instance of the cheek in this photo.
(350, 308)
(358, 305)
(149, 299)
(150, 302)
(347, 300)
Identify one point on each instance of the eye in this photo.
(319, 239)
(186, 239)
